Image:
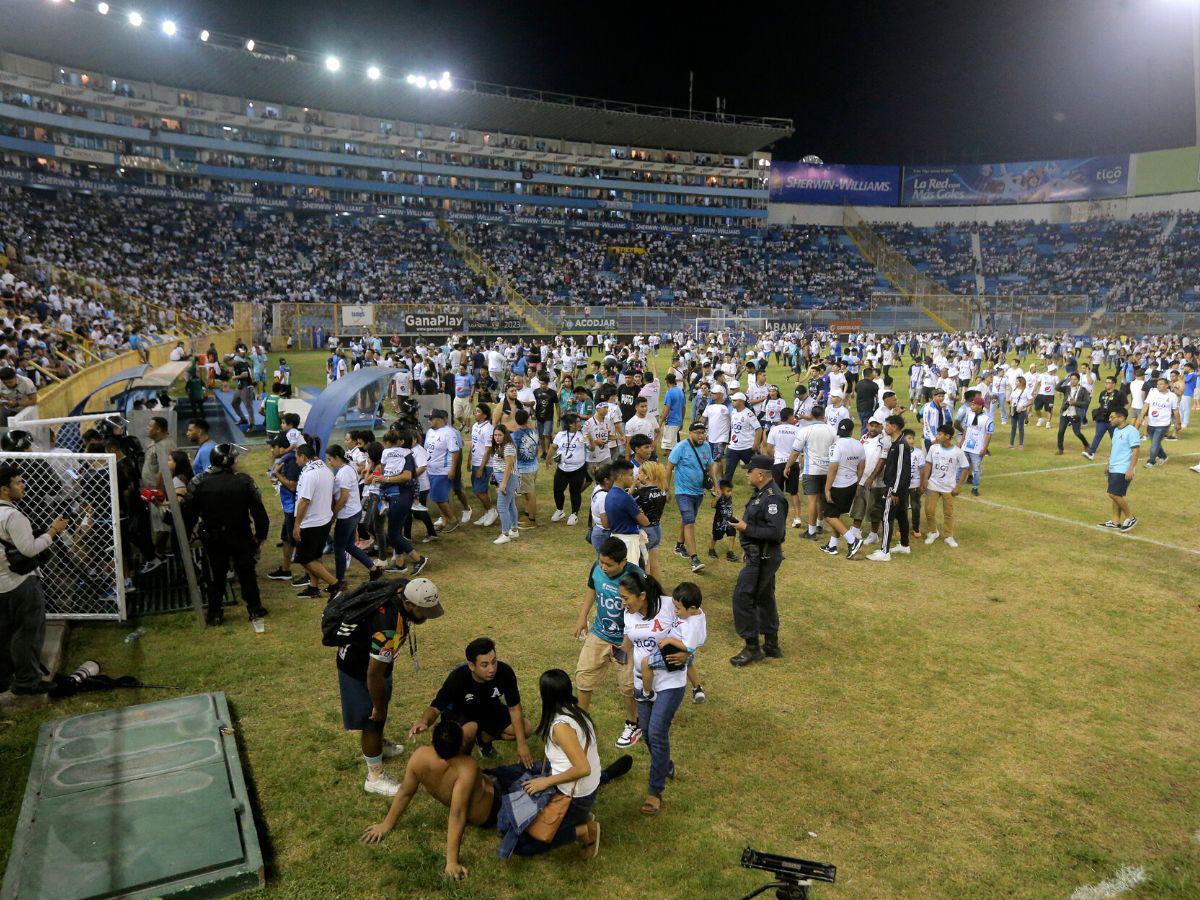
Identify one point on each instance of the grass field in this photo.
(1017, 717)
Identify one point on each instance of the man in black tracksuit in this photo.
(761, 530)
(235, 523)
(897, 473)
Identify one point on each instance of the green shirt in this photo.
(271, 412)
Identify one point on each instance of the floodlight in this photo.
(204, 35)
(250, 45)
(411, 79)
(332, 63)
(102, 8)
(373, 73)
(135, 19)
(420, 82)
(445, 84)
(168, 28)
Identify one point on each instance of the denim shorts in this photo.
(439, 488)
(356, 703)
(653, 536)
(689, 506)
(481, 484)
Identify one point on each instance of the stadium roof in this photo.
(64, 34)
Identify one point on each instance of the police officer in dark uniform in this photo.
(761, 530)
(234, 523)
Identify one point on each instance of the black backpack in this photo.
(345, 612)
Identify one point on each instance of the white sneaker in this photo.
(880, 556)
(420, 507)
(384, 784)
(558, 516)
(630, 735)
(440, 523)
(491, 516)
(503, 539)
(466, 516)
(514, 534)
(482, 520)
(795, 523)
(1196, 468)
(870, 539)
(931, 537)
(572, 518)
(391, 749)
(951, 542)
(902, 550)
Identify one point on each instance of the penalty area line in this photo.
(1090, 465)
(1064, 521)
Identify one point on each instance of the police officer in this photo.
(761, 529)
(235, 524)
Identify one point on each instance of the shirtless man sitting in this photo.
(454, 779)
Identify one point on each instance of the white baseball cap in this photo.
(738, 396)
(423, 594)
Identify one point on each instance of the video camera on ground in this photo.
(795, 875)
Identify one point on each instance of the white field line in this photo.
(1110, 531)
(1090, 465)
(1125, 879)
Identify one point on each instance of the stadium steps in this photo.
(538, 320)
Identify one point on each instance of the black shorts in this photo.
(312, 543)
(1117, 485)
(789, 485)
(814, 485)
(356, 703)
(1044, 401)
(285, 533)
(493, 720)
(843, 499)
(723, 530)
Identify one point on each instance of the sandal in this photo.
(591, 849)
(652, 806)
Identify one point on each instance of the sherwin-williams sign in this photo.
(1167, 171)
(797, 182)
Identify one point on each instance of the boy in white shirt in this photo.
(694, 632)
(945, 470)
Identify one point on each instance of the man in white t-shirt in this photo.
(946, 469)
(846, 463)
(978, 425)
(780, 440)
(815, 442)
(745, 434)
(444, 446)
(1043, 399)
(716, 415)
(481, 452)
(641, 423)
(314, 519)
(836, 411)
(1159, 412)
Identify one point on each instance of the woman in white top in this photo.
(569, 736)
(347, 511)
(1019, 403)
(570, 453)
(649, 618)
(504, 459)
(600, 533)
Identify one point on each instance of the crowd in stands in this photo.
(199, 258)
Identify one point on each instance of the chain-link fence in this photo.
(82, 578)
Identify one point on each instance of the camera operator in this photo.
(761, 530)
(22, 602)
(234, 524)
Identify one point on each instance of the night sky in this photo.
(866, 82)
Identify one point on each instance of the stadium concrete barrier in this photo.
(58, 399)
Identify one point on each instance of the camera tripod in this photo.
(784, 890)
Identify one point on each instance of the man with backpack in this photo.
(369, 626)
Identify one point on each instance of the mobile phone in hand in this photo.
(620, 655)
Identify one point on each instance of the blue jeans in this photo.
(732, 458)
(1157, 433)
(1102, 428)
(655, 721)
(1018, 425)
(399, 512)
(975, 461)
(506, 502)
(598, 536)
(343, 543)
(576, 815)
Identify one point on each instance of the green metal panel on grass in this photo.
(145, 801)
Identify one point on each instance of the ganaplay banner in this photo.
(1036, 181)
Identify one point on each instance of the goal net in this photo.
(82, 577)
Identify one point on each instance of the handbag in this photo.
(708, 482)
(546, 823)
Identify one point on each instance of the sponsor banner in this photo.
(81, 155)
(796, 182)
(433, 323)
(1037, 181)
(358, 316)
(639, 251)
(1167, 172)
(587, 324)
(845, 326)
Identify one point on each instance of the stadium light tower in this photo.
(332, 63)
(374, 73)
(168, 28)
(135, 19)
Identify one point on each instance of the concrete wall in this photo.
(927, 216)
(58, 399)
